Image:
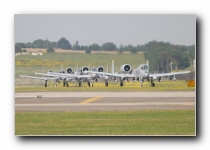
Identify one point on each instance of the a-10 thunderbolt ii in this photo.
(140, 73)
(78, 76)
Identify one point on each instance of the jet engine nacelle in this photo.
(100, 69)
(85, 68)
(123, 78)
(69, 70)
(125, 68)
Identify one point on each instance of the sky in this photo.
(125, 29)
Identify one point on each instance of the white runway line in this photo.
(109, 104)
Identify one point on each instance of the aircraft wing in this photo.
(62, 75)
(40, 78)
(112, 74)
(51, 75)
(55, 74)
(155, 76)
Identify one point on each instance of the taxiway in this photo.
(103, 101)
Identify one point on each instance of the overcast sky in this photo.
(119, 29)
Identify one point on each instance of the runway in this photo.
(103, 101)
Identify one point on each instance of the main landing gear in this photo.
(152, 83)
(90, 83)
(65, 83)
(106, 83)
(121, 83)
(45, 84)
(80, 84)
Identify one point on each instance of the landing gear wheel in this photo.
(106, 83)
(121, 83)
(45, 84)
(153, 84)
(89, 84)
(80, 84)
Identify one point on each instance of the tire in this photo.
(106, 83)
(153, 84)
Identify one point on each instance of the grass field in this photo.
(55, 61)
(162, 122)
(37, 86)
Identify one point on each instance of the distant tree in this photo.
(83, 47)
(39, 43)
(184, 61)
(76, 46)
(161, 54)
(94, 47)
(50, 49)
(29, 45)
(18, 48)
(109, 46)
(121, 49)
(191, 51)
(22, 45)
(133, 50)
(51, 43)
(64, 44)
(87, 50)
(139, 48)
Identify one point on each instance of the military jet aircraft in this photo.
(46, 79)
(140, 73)
(77, 77)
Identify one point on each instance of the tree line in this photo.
(160, 54)
(65, 44)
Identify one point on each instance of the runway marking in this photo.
(109, 104)
(90, 100)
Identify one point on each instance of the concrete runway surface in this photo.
(103, 101)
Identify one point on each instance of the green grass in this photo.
(37, 86)
(54, 61)
(149, 122)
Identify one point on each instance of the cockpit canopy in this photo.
(144, 67)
